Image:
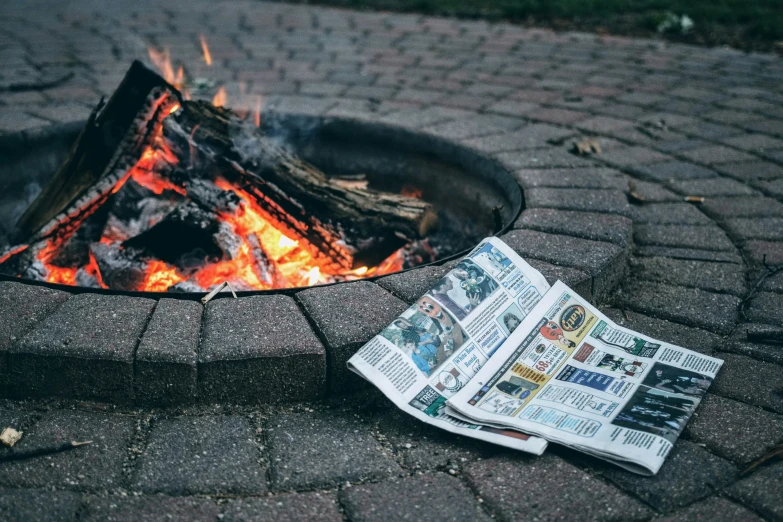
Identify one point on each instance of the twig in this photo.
(207, 298)
(770, 271)
(37, 452)
(776, 452)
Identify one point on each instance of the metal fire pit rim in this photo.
(30, 137)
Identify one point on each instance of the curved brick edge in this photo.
(274, 348)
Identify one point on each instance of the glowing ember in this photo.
(220, 98)
(205, 50)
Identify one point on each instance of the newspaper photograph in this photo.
(439, 344)
(570, 375)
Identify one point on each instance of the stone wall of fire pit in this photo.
(293, 345)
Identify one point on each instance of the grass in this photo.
(746, 24)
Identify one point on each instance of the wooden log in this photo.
(348, 224)
(111, 142)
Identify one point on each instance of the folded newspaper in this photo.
(493, 352)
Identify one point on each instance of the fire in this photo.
(220, 98)
(205, 50)
(160, 276)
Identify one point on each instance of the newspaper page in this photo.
(437, 345)
(572, 376)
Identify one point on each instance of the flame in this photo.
(257, 112)
(220, 98)
(205, 50)
(286, 242)
(174, 109)
(160, 276)
(162, 61)
(411, 191)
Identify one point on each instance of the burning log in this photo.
(154, 180)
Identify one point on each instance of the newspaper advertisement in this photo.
(570, 375)
(438, 345)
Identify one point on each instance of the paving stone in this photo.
(412, 284)
(420, 447)
(587, 200)
(770, 229)
(689, 254)
(581, 282)
(148, 507)
(294, 507)
(673, 171)
(764, 252)
(323, 449)
(211, 454)
(712, 510)
(736, 431)
(739, 343)
(689, 473)
(651, 192)
(773, 283)
(766, 307)
(513, 488)
(750, 380)
(604, 262)
(543, 158)
(701, 237)
(669, 214)
(259, 349)
(21, 308)
(589, 178)
(98, 465)
(21, 505)
(761, 491)
(631, 156)
(596, 227)
(752, 170)
(425, 117)
(714, 277)
(772, 188)
(347, 316)
(685, 336)
(481, 125)
(532, 136)
(716, 154)
(166, 357)
(690, 306)
(729, 208)
(711, 187)
(421, 497)
(84, 349)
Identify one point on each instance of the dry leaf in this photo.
(10, 436)
(586, 147)
(694, 199)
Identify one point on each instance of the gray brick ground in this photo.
(714, 277)
(669, 214)
(21, 308)
(579, 281)
(764, 252)
(766, 307)
(761, 492)
(512, 487)
(148, 507)
(294, 507)
(532, 136)
(689, 254)
(689, 473)
(630, 156)
(421, 448)
(85, 349)
(586, 178)
(596, 227)
(714, 187)
(750, 170)
(752, 432)
(738, 343)
(685, 336)
(347, 316)
(770, 229)
(213, 454)
(259, 349)
(586, 200)
(603, 261)
(421, 497)
(679, 236)
(543, 159)
(739, 207)
(321, 449)
(22, 505)
(413, 284)
(167, 355)
(690, 306)
(750, 380)
(98, 465)
(673, 171)
(712, 510)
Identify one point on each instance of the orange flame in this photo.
(257, 112)
(160, 276)
(220, 98)
(205, 50)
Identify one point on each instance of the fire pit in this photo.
(184, 211)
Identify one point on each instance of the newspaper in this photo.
(438, 344)
(493, 352)
(572, 376)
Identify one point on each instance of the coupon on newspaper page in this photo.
(572, 376)
(438, 344)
